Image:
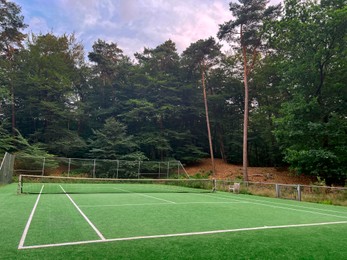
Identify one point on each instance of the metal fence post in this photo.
(117, 168)
(94, 166)
(69, 167)
(168, 168)
(43, 166)
(278, 193)
(138, 170)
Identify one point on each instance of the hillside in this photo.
(256, 174)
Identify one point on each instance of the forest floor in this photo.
(255, 174)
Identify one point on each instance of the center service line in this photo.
(84, 216)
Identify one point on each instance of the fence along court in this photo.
(6, 169)
(95, 168)
(99, 168)
(309, 193)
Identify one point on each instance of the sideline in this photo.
(26, 229)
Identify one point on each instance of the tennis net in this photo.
(35, 184)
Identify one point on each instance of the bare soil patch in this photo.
(255, 174)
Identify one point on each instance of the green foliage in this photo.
(311, 125)
(313, 145)
(112, 141)
(11, 23)
(6, 141)
(202, 175)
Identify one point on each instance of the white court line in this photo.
(143, 195)
(153, 204)
(286, 207)
(277, 203)
(185, 234)
(84, 216)
(26, 229)
(304, 207)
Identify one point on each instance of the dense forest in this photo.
(283, 81)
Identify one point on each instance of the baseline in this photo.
(185, 234)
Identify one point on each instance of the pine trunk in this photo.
(207, 117)
(245, 117)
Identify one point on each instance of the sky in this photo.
(132, 24)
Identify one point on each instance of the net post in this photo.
(43, 166)
(178, 170)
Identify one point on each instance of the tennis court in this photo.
(166, 224)
(132, 212)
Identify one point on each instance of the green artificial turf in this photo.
(123, 215)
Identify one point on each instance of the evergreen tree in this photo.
(11, 37)
(201, 56)
(247, 29)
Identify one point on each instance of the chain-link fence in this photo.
(6, 169)
(309, 193)
(98, 168)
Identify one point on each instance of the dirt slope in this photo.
(256, 174)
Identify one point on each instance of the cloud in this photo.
(132, 24)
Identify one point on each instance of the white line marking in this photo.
(222, 198)
(277, 203)
(26, 229)
(84, 216)
(304, 207)
(185, 234)
(287, 207)
(148, 196)
(143, 195)
(154, 204)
